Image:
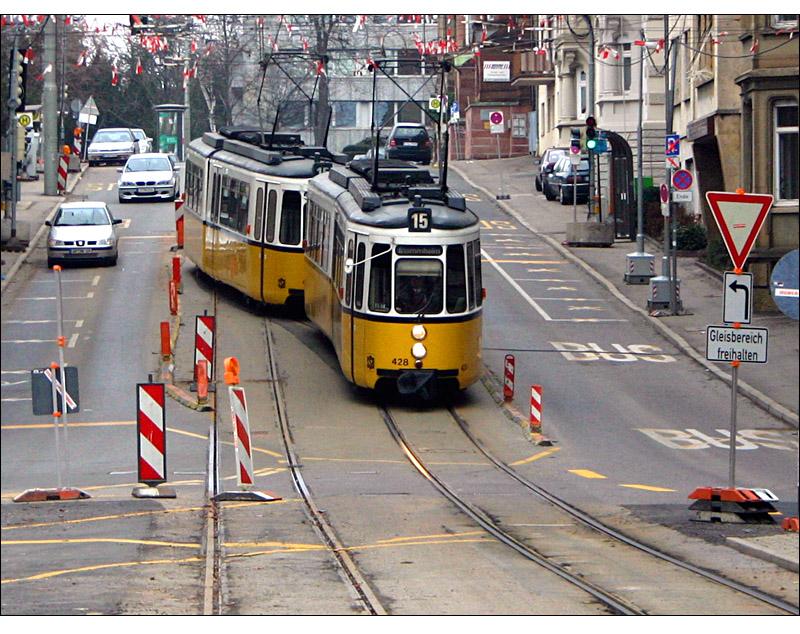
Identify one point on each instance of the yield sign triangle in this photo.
(739, 218)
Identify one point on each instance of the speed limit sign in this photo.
(496, 121)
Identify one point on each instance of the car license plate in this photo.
(146, 190)
(411, 143)
(80, 251)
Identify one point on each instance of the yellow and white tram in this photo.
(243, 211)
(394, 277)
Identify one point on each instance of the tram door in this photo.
(355, 300)
(258, 233)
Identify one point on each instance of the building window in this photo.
(344, 114)
(409, 62)
(782, 22)
(384, 113)
(786, 148)
(293, 114)
(581, 94)
(626, 67)
(409, 113)
(519, 127)
(706, 56)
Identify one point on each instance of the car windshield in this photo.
(410, 133)
(74, 217)
(138, 134)
(111, 137)
(148, 165)
(566, 166)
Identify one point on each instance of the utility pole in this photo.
(639, 265)
(50, 110)
(669, 221)
(187, 121)
(590, 108)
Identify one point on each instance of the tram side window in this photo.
(215, 200)
(456, 279)
(348, 282)
(234, 204)
(380, 279)
(244, 207)
(361, 253)
(290, 218)
(338, 256)
(258, 235)
(272, 202)
(478, 278)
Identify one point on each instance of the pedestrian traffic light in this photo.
(18, 77)
(575, 141)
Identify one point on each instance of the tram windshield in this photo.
(418, 286)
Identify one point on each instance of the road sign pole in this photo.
(502, 184)
(732, 458)
(60, 341)
(56, 415)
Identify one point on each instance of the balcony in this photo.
(529, 68)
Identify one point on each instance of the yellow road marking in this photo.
(96, 540)
(58, 573)
(272, 545)
(585, 473)
(646, 487)
(372, 460)
(395, 540)
(541, 454)
(118, 423)
(104, 518)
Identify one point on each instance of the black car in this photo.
(409, 142)
(547, 163)
(566, 181)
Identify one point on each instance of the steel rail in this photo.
(618, 605)
(591, 522)
(349, 569)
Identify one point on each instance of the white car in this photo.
(82, 232)
(151, 176)
(144, 143)
(111, 145)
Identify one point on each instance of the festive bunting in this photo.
(114, 76)
(138, 66)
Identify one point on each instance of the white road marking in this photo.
(15, 371)
(7, 341)
(543, 279)
(90, 295)
(516, 286)
(10, 383)
(168, 236)
(568, 299)
(73, 340)
(14, 400)
(38, 299)
(78, 322)
(95, 280)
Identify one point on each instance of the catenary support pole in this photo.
(50, 110)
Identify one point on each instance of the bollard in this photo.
(536, 409)
(173, 298)
(179, 221)
(63, 166)
(176, 273)
(201, 376)
(166, 351)
(508, 380)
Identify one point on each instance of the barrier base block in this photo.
(52, 495)
(733, 505)
(247, 496)
(790, 524)
(539, 439)
(154, 492)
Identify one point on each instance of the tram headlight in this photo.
(419, 332)
(419, 351)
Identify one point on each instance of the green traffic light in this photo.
(591, 144)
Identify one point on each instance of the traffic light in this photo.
(575, 141)
(591, 133)
(18, 77)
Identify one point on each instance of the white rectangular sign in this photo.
(496, 71)
(682, 197)
(725, 343)
(737, 304)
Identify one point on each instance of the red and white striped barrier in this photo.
(204, 342)
(63, 166)
(152, 443)
(179, 221)
(241, 435)
(508, 379)
(536, 409)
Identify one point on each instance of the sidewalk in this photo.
(33, 209)
(773, 386)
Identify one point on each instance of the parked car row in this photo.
(117, 145)
(406, 142)
(559, 178)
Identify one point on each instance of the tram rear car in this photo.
(394, 278)
(243, 215)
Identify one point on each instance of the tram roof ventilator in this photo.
(270, 149)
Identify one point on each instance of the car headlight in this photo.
(55, 243)
(166, 182)
(106, 242)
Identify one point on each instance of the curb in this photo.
(37, 236)
(749, 547)
(756, 396)
(492, 384)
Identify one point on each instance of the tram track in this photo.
(611, 600)
(347, 567)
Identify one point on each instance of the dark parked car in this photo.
(409, 142)
(547, 163)
(362, 147)
(565, 178)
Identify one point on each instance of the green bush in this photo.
(691, 238)
(717, 255)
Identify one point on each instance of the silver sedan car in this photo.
(150, 176)
(82, 231)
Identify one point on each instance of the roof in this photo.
(83, 204)
(150, 155)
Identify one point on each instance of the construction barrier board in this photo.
(42, 391)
